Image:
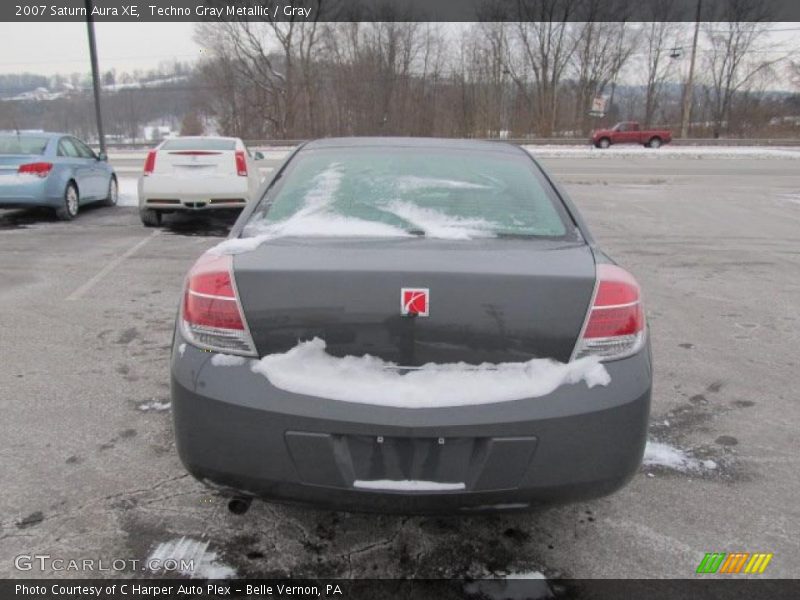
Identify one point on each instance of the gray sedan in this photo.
(410, 325)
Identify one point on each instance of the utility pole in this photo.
(95, 75)
(688, 90)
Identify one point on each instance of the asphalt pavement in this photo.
(89, 464)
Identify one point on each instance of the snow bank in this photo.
(187, 551)
(308, 369)
(733, 152)
(439, 225)
(406, 485)
(659, 454)
(128, 191)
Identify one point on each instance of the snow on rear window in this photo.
(436, 192)
(308, 369)
(199, 144)
(313, 218)
(23, 144)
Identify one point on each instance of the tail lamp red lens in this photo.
(615, 327)
(212, 313)
(39, 169)
(150, 163)
(241, 164)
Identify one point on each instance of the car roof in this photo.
(414, 142)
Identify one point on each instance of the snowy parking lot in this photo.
(713, 236)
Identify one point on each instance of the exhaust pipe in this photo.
(239, 505)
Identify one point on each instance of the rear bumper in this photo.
(23, 194)
(234, 429)
(172, 193)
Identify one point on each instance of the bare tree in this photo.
(734, 61)
(660, 42)
(541, 48)
(602, 50)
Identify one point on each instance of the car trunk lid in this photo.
(193, 164)
(493, 300)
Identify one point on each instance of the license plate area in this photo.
(459, 463)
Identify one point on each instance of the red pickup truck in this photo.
(629, 132)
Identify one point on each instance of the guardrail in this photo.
(523, 142)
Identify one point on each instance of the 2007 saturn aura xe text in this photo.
(411, 325)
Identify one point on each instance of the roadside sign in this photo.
(598, 106)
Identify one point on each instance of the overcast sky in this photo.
(49, 48)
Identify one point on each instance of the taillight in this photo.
(212, 315)
(241, 164)
(615, 327)
(40, 169)
(150, 163)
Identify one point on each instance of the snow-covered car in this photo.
(54, 170)
(411, 325)
(196, 174)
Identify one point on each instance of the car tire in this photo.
(604, 143)
(70, 205)
(654, 143)
(150, 217)
(113, 192)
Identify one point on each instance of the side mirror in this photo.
(102, 156)
(258, 156)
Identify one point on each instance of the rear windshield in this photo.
(435, 192)
(23, 144)
(199, 144)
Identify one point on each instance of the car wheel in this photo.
(113, 192)
(150, 217)
(604, 143)
(655, 143)
(69, 208)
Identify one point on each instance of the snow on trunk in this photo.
(308, 369)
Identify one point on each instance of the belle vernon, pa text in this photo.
(151, 10)
(158, 589)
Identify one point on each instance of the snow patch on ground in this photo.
(526, 575)
(407, 485)
(128, 188)
(660, 454)
(227, 360)
(154, 405)
(587, 151)
(308, 369)
(439, 225)
(193, 557)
